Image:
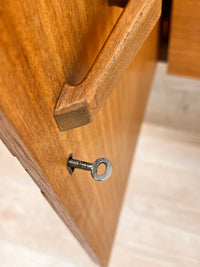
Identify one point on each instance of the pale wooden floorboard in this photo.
(160, 221)
(174, 101)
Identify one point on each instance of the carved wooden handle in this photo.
(78, 105)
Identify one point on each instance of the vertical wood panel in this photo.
(184, 49)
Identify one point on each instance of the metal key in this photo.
(74, 163)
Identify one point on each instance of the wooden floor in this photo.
(174, 101)
(160, 220)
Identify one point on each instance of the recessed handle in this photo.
(78, 105)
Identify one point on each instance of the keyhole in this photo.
(101, 169)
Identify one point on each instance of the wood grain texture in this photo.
(16, 146)
(184, 49)
(159, 224)
(41, 48)
(78, 105)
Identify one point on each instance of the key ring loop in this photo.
(107, 172)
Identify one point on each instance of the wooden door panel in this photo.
(184, 48)
(40, 50)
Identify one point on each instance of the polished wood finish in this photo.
(43, 44)
(78, 105)
(120, 3)
(184, 49)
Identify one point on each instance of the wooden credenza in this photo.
(184, 45)
(45, 45)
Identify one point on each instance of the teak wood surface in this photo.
(184, 49)
(43, 45)
(78, 105)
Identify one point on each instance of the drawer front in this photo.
(184, 48)
(44, 45)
